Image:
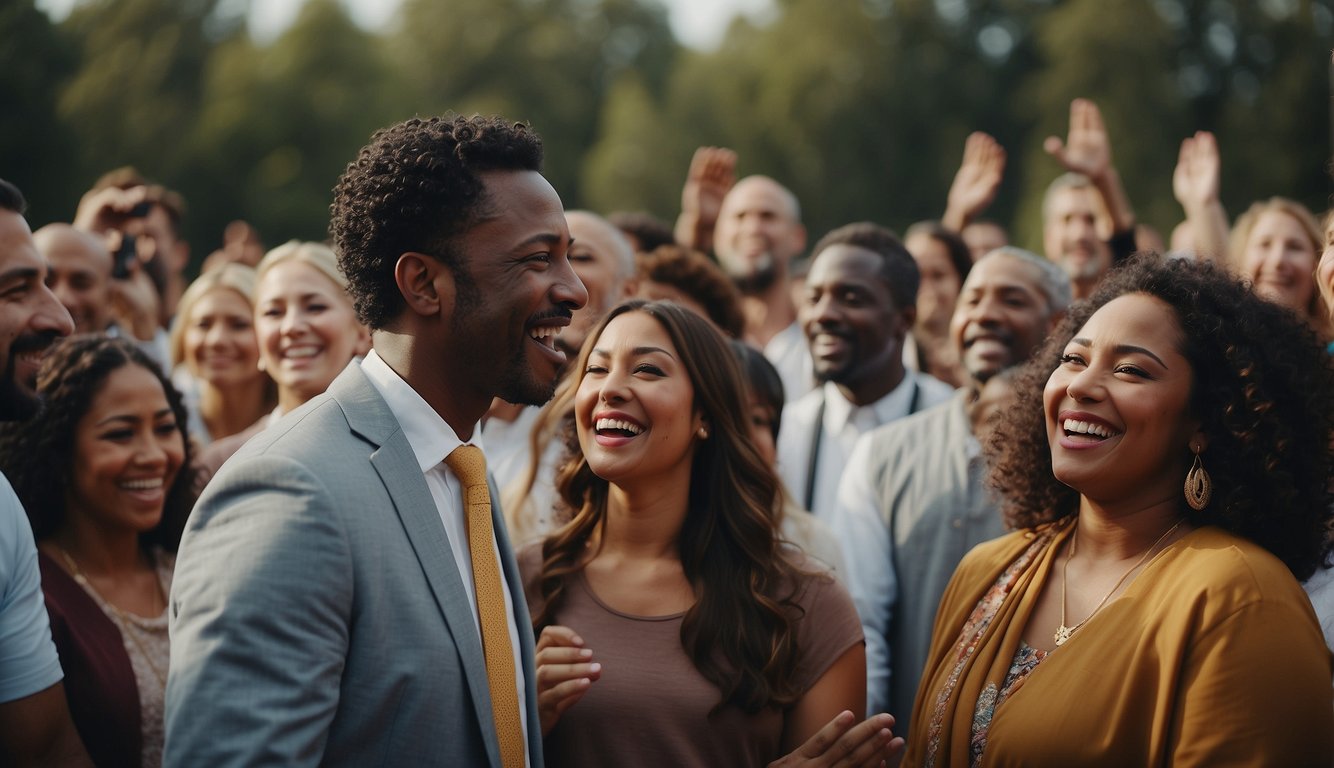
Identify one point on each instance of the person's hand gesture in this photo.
(976, 182)
(712, 173)
(1195, 180)
(107, 209)
(845, 743)
(565, 672)
(135, 303)
(1087, 149)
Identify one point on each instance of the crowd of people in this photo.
(483, 481)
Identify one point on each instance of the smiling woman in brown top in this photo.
(676, 627)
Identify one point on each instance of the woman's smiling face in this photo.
(1117, 408)
(634, 406)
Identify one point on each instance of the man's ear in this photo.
(426, 285)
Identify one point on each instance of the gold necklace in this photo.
(117, 615)
(1064, 632)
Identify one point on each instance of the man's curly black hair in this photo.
(1262, 387)
(415, 187)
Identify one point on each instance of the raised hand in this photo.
(108, 208)
(1195, 185)
(976, 182)
(1086, 149)
(1196, 178)
(845, 743)
(712, 173)
(565, 672)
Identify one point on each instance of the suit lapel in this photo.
(396, 464)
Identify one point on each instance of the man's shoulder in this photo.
(934, 391)
(314, 429)
(909, 435)
(349, 413)
(805, 407)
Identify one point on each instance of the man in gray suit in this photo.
(911, 502)
(324, 610)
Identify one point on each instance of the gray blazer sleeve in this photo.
(260, 609)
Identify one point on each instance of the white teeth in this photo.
(633, 429)
(1087, 428)
(147, 484)
(545, 331)
(301, 352)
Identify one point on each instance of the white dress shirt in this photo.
(432, 439)
(840, 426)
(791, 357)
(506, 446)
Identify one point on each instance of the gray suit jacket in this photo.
(317, 614)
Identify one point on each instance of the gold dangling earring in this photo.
(1199, 487)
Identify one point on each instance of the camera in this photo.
(124, 256)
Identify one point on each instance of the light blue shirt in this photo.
(28, 660)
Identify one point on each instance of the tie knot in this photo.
(468, 464)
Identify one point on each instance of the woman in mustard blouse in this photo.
(1167, 467)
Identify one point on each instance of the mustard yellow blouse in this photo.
(1212, 656)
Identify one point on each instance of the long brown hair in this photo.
(740, 633)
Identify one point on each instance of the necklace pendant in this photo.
(1062, 634)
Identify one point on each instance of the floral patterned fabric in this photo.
(1025, 661)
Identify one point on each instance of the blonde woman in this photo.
(1275, 245)
(215, 354)
(306, 329)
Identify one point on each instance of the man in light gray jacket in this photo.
(911, 501)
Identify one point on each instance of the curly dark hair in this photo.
(36, 455)
(416, 187)
(693, 274)
(741, 632)
(1262, 390)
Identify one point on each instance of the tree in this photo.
(280, 123)
(33, 141)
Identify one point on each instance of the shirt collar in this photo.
(839, 411)
(430, 436)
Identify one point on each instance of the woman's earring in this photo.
(703, 433)
(1199, 488)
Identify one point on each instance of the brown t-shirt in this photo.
(651, 706)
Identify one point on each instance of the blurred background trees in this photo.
(861, 106)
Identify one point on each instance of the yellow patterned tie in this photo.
(469, 466)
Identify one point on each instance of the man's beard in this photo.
(521, 386)
(1081, 268)
(17, 401)
(758, 281)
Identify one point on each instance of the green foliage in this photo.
(34, 142)
(861, 106)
